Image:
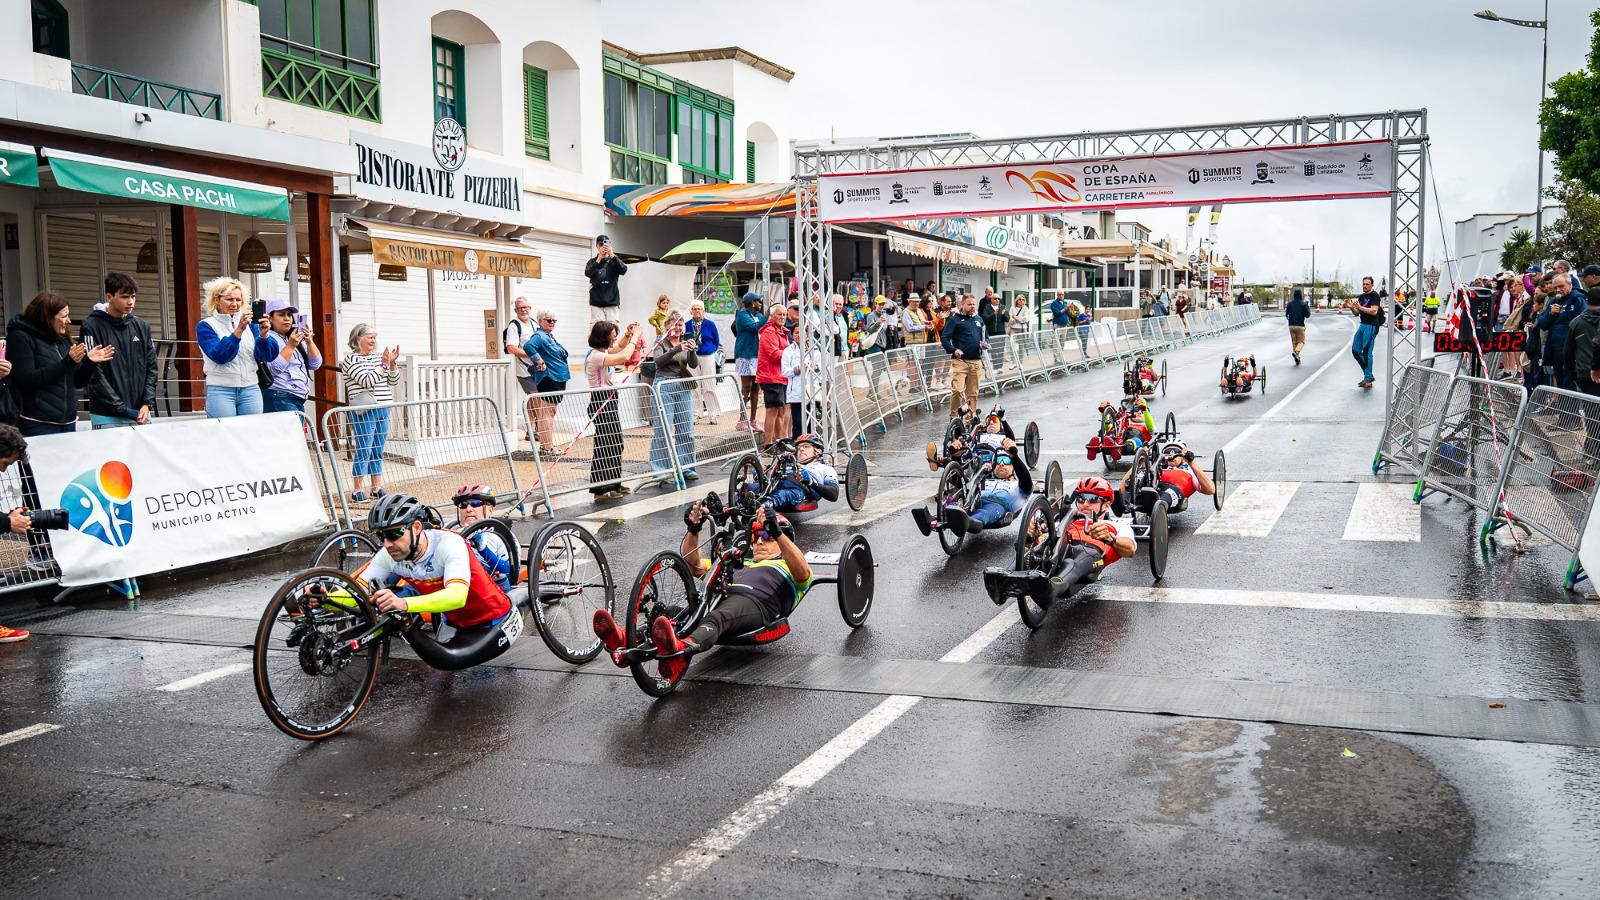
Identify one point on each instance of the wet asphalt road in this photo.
(532, 779)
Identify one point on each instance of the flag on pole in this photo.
(1188, 236)
(1216, 215)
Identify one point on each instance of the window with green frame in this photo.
(449, 81)
(750, 162)
(50, 29)
(536, 112)
(638, 121)
(321, 53)
(705, 144)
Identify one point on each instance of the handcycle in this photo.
(315, 662)
(966, 427)
(665, 586)
(1145, 501)
(1236, 382)
(749, 475)
(961, 486)
(1045, 537)
(1122, 434)
(1133, 377)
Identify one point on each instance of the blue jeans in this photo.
(274, 400)
(1361, 348)
(788, 495)
(677, 417)
(226, 402)
(372, 432)
(990, 511)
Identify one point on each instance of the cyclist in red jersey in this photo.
(1093, 539)
(1177, 476)
(441, 572)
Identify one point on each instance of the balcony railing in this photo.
(94, 81)
(308, 83)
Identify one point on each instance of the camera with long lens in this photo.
(48, 519)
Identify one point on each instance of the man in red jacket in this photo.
(769, 372)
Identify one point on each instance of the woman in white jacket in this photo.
(231, 386)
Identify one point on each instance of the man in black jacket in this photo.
(122, 389)
(1582, 357)
(963, 338)
(603, 271)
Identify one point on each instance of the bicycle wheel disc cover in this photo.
(855, 481)
(1158, 541)
(1219, 475)
(1030, 444)
(857, 580)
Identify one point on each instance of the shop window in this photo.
(50, 29)
(536, 105)
(321, 53)
(638, 130)
(449, 81)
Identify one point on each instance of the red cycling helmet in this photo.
(809, 439)
(1094, 485)
(473, 492)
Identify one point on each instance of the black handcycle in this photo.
(750, 476)
(961, 486)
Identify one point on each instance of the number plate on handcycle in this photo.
(822, 559)
(512, 626)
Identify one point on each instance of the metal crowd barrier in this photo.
(427, 448)
(1412, 419)
(1474, 432)
(599, 439)
(705, 434)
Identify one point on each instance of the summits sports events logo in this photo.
(97, 503)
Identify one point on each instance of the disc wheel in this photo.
(1219, 477)
(747, 476)
(1055, 484)
(952, 489)
(1036, 544)
(1030, 444)
(1163, 378)
(310, 684)
(664, 587)
(497, 538)
(1261, 379)
(857, 578)
(855, 481)
(569, 579)
(346, 550)
(1157, 546)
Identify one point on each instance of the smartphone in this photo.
(258, 310)
(2, 348)
(302, 321)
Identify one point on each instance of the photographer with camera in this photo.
(28, 520)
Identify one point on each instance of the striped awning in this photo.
(926, 248)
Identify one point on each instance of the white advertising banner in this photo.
(1041, 246)
(1589, 546)
(1316, 172)
(142, 500)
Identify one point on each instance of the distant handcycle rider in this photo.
(1000, 496)
(995, 433)
(767, 588)
(808, 479)
(1092, 540)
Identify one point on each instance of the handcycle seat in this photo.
(465, 649)
(807, 506)
(766, 634)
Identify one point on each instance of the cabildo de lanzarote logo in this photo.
(97, 503)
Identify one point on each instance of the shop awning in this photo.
(426, 248)
(19, 167)
(950, 253)
(152, 185)
(1116, 251)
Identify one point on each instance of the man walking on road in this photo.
(1297, 312)
(963, 339)
(603, 272)
(1369, 306)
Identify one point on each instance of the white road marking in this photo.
(1244, 435)
(1251, 509)
(183, 684)
(22, 734)
(878, 505)
(1384, 512)
(1367, 603)
(672, 877)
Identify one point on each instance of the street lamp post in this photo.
(1313, 249)
(1544, 77)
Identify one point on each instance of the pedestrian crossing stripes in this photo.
(880, 503)
(1378, 512)
(1365, 603)
(1384, 512)
(1250, 509)
(22, 734)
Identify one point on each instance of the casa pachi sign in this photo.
(177, 494)
(441, 177)
(1313, 172)
(113, 179)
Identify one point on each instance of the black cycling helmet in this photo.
(396, 511)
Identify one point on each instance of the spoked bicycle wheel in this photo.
(310, 682)
(664, 587)
(952, 486)
(747, 476)
(1036, 545)
(497, 539)
(568, 579)
(347, 550)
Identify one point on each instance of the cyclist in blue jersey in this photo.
(473, 503)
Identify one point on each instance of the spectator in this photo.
(1369, 306)
(46, 367)
(1146, 305)
(916, 325)
(513, 337)
(1182, 309)
(605, 351)
(1158, 307)
(658, 319)
(369, 380)
(747, 324)
(291, 356)
(550, 368)
(1589, 279)
(993, 314)
(707, 342)
(1060, 311)
(1564, 269)
(676, 357)
(1021, 316)
(232, 388)
(1510, 361)
(930, 293)
(769, 372)
(841, 326)
(1562, 307)
(794, 390)
(874, 328)
(1583, 359)
(123, 388)
(907, 289)
(603, 271)
(14, 450)
(963, 339)
(1297, 312)
(1533, 373)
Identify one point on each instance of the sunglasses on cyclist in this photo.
(1003, 460)
(471, 504)
(1087, 497)
(390, 535)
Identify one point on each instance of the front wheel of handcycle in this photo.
(569, 579)
(1261, 379)
(665, 587)
(498, 539)
(1219, 479)
(1171, 425)
(1055, 484)
(952, 487)
(1163, 378)
(857, 579)
(1157, 545)
(1036, 546)
(310, 681)
(855, 481)
(1031, 444)
(747, 476)
(347, 550)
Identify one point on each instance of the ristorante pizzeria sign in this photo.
(1315, 172)
(412, 175)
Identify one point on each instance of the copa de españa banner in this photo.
(1315, 172)
(168, 495)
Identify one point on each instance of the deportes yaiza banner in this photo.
(158, 497)
(1317, 172)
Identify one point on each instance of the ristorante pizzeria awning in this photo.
(950, 253)
(427, 248)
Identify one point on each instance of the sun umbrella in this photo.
(699, 250)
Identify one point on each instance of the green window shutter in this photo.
(536, 95)
(750, 161)
(449, 81)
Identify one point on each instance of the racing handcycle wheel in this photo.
(1030, 444)
(569, 578)
(952, 491)
(747, 476)
(1159, 535)
(312, 672)
(665, 587)
(857, 578)
(1219, 477)
(346, 550)
(855, 481)
(1036, 547)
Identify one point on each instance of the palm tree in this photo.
(1517, 252)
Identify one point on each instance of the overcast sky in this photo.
(996, 69)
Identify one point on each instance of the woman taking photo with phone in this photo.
(369, 380)
(231, 381)
(47, 367)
